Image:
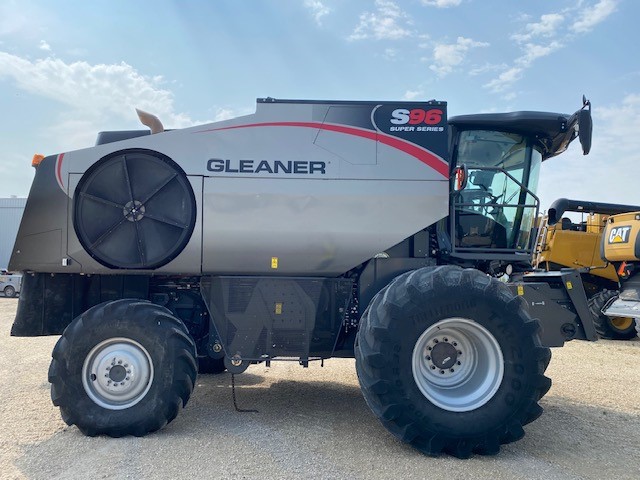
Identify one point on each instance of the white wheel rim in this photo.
(117, 373)
(457, 364)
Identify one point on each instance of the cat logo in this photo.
(619, 235)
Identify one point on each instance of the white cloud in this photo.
(505, 79)
(388, 22)
(549, 34)
(412, 94)
(590, 16)
(94, 97)
(227, 113)
(318, 9)
(448, 56)
(44, 46)
(534, 51)
(441, 3)
(390, 53)
(114, 89)
(487, 67)
(546, 27)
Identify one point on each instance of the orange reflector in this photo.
(37, 158)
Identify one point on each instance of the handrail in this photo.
(502, 170)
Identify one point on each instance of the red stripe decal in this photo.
(425, 156)
(58, 168)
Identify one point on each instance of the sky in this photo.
(70, 69)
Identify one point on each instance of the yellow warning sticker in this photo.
(520, 290)
(274, 262)
(278, 308)
(569, 286)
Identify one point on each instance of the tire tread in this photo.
(160, 324)
(426, 284)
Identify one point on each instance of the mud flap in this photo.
(48, 302)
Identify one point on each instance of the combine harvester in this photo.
(566, 244)
(308, 230)
(621, 246)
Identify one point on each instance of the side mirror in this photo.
(460, 178)
(585, 126)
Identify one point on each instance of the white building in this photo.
(11, 210)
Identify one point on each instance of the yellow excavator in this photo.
(621, 247)
(563, 243)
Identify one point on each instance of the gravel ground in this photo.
(313, 423)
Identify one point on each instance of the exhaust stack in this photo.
(150, 121)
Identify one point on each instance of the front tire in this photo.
(9, 291)
(122, 368)
(613, 328)
(450, 361)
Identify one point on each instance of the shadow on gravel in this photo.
(320, 429)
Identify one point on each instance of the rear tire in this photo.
(9, 291)
(616, 328)
(122, 368)
(475, 390)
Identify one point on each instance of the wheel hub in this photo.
(457, 364)
(621, 323)
(444, 355)
(120, 372)
(117, 373)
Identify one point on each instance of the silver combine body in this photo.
(298, 188)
